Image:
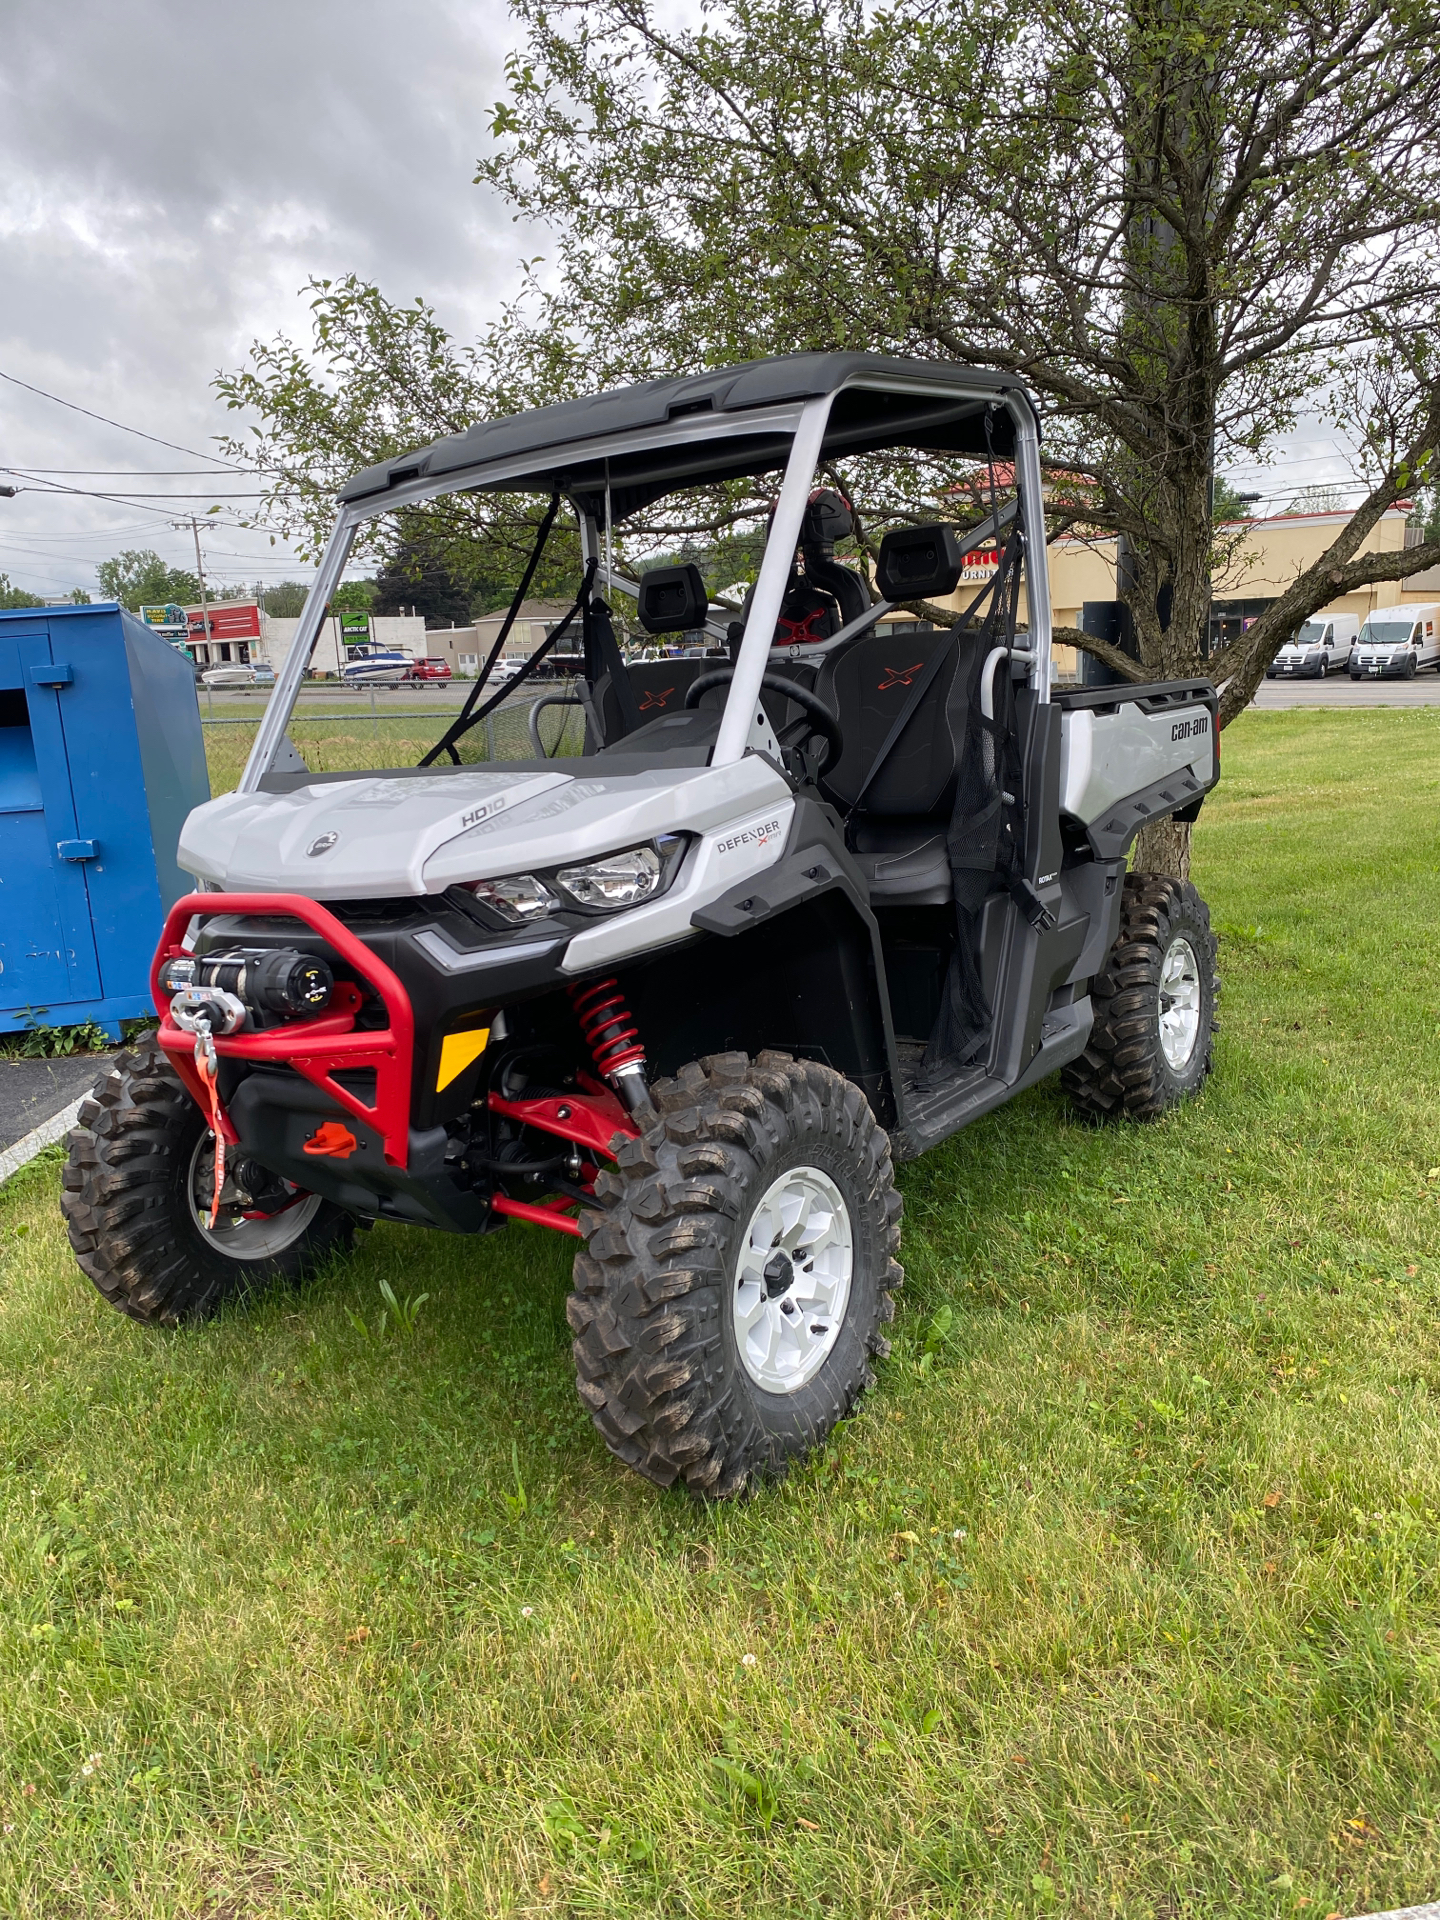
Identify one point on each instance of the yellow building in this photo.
(1268, 556)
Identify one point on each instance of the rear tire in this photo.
(131, 1186)
(706, 1349)
(1154, 999)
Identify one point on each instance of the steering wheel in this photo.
(815, 716)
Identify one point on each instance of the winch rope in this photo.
(208, 1067)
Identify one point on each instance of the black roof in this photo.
(869, 413)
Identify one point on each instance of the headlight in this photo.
(607, 885)
(619, 880)
(517, 898)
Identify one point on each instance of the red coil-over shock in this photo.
(613, 1039)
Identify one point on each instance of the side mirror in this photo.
(672, 600)
(920, 563)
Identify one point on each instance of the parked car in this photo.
(233, 674)
(431, 670)
(1321, 645)
(1397, 641)
(264, 675)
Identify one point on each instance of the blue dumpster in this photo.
(101, 758)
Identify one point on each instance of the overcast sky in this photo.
(171, 173)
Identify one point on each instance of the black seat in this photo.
(898, 832)
(660, 687)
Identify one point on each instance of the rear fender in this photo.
(1134, 754)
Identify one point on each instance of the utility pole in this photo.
(194, 525)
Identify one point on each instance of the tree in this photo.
(415, 580)
(354, 596)
(378, 379)
(1178, 224)
(1425, 519)
(140, 578)
(1320, 499)
(17, 596)
(283, 601)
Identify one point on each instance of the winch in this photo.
(256, 987)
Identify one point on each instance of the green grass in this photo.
(1117, 1597)
(358, 741)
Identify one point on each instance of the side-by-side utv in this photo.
(799, 908)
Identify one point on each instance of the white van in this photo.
(1397, 641)
(1321, 646)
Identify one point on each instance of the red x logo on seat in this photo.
(898, 676)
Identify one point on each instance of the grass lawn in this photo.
(1119, 1596)
(391, 737)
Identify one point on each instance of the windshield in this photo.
(726, 510)
(1312, 634)
(1386, 633)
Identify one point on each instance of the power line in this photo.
(123, 473)
(53, 490)
(139, 433)
(119, 493)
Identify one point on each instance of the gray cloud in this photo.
(170, 174)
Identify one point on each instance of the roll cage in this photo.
(626, 449)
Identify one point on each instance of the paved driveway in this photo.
(1339, 690)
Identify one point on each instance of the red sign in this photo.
(229, 620)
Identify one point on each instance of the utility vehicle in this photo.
(1396, 642)
(793, 914)
(1322, 645)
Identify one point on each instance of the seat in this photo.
(898, 832)
(660, 687)
(905, 862)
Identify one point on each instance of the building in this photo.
(465, 647)
(403, 631)
(1269, 554)
(241, 633)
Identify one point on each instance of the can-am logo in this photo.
(751, 837)
(1188, 729)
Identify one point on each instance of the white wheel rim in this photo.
(1179, 1003)
(792, 1280)
(236, 1237)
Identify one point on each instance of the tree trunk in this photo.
(1163, 846)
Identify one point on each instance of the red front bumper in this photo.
(315, 1048)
